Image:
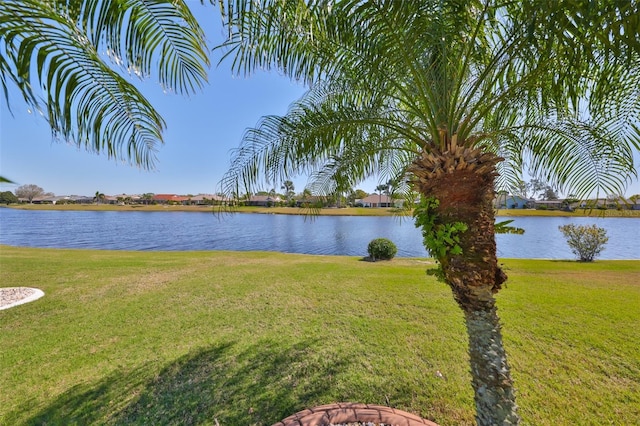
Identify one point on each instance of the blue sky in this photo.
(201, 132)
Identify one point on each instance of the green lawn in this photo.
(250, 338)
(575, 213)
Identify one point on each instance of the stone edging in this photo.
(35, 294)
(341, 413)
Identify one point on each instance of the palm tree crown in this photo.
(442, 74)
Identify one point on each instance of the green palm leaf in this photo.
(484, 85)
(63, 49)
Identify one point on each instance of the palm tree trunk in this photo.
(462, 180)
(494, 393)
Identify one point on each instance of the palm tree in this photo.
(51, 50)
(147, 197)
(98, 197)
(380, 189)
(288, 187)
(455, 99)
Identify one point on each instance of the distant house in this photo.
(599, 203)
(49, 199)
(61, 199)
(133, 198)
(73, 199)
(263, 200)
(379, 201)
(550, 204)
(206, 199)
(311, 200)
(80, 199)
(506, 201)
(628, 203)
(170, 199)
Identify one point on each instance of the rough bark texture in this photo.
(462, 180)
(491, 379)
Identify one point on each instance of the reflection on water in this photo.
(341, 235)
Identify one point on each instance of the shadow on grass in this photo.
(257, 385)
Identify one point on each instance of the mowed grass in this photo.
(248, 338)
(575, 213)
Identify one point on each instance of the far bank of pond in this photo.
(337, 235)
(343, 211)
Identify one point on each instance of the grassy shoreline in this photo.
(124, 337)
(348, 211)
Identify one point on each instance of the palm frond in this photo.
(582, 158)
(483, 71)
(333, 135)
(55, 46)
(139, 35)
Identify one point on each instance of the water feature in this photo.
(340, 235)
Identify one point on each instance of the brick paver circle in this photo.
(347, 412)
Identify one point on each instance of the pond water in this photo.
(339, 235)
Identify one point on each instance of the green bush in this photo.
(381, 249)
(7, 197)
(585, 241)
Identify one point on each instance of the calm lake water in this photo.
(340, 235)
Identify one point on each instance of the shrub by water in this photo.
(382, 249)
